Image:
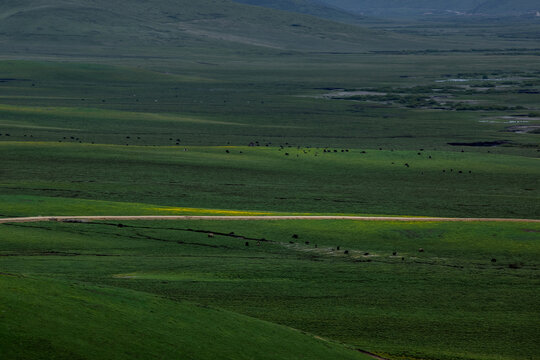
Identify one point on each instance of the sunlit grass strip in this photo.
(187, 210)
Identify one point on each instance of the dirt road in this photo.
(244, 218)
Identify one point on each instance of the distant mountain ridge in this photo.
(416, 8)
(132, 28)
(177, 27)
(308, 7)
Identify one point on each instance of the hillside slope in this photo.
(43, 319)
(506, 7)
(133, 27)
(308, 7)
(415, 8)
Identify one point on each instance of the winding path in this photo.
(266, 217)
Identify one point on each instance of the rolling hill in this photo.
(41, 318)
(179, 27)
(308, 7)
(415, 8)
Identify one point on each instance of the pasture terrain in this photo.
(472, 293)
(227, 109)
(436, 143)
(261, 179)
(354, 104)
(72, 320)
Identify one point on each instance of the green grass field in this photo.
(448, 302)
(70, 320)
(262, 179)
(153, 113)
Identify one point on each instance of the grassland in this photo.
(450, 301)
(264, 179)
(248, 102)
(120, 324)
(120, 134)
(81, 143)
(378, 123)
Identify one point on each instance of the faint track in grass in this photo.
(254, 218)
(371, 355)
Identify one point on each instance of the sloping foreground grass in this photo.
(57, 320)
(451, 301)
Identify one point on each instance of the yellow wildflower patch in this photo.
(191, 211)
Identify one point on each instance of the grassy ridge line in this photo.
(43, 318)
(257, 217)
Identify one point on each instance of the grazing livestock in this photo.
(210, 235)
(421, 250)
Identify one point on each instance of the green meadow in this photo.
(472, 293)
(228, 109)
(122, 324)
(262, 179)
(79, 139)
